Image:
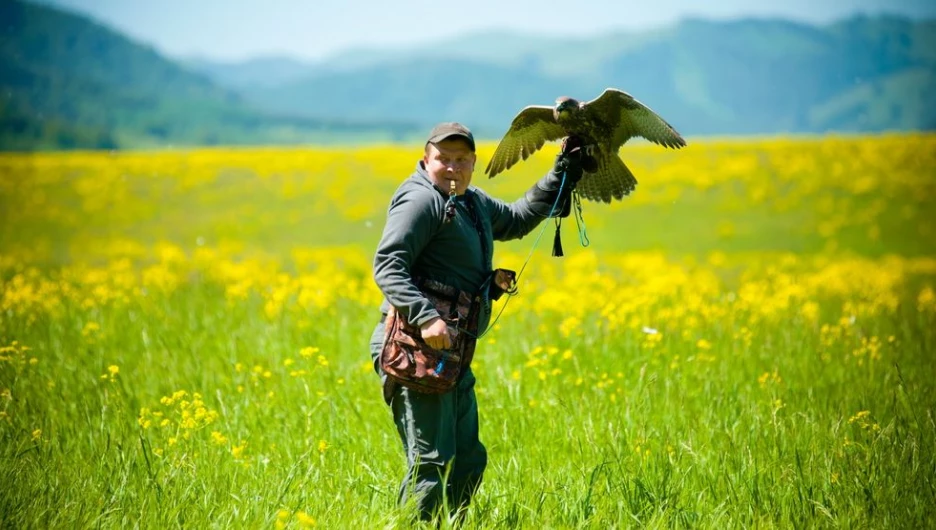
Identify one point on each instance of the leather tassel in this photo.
(557, 241)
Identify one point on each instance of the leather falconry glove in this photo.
(550, 193)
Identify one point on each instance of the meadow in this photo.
(746, 341)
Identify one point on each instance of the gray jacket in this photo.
(417, 243)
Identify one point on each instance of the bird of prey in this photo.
(603, 125)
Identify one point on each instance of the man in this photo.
(440, 432)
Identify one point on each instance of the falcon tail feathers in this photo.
(612, 180)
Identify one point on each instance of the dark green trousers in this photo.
(445, 459)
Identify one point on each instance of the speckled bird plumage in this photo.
(604, 124)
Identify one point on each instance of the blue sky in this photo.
(234, 30)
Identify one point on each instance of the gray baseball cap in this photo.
(449, 129)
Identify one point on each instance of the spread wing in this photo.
(533, 127)
(631, 118)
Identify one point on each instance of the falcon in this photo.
(603, 125)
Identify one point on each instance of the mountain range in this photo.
(68, 81)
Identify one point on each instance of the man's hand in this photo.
(436, 334)
(551, 196)
(569, 164)
(572, 159)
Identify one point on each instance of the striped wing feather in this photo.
(633, 119)
(533, 127)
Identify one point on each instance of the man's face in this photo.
(450, 160)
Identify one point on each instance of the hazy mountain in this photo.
(748, 76)
(253, 73)
(483, 95)
(67, 82)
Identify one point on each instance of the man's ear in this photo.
(426, 151)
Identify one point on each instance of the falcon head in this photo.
(564, 107)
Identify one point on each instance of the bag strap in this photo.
(479, 228)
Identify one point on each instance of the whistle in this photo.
(450, 204)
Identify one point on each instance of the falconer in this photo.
(440, 227)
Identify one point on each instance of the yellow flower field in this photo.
(746, 341)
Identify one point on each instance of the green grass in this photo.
(790, 383)
(703, 444)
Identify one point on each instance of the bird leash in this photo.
(513, 290)
(574, 196)
(579, 224)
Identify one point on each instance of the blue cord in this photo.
(538, 237)
(529, 256)
(580, 221)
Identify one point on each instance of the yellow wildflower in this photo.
(305, 520)
(238, 450)
(90, 328)
(281, 519)
(859, 416)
